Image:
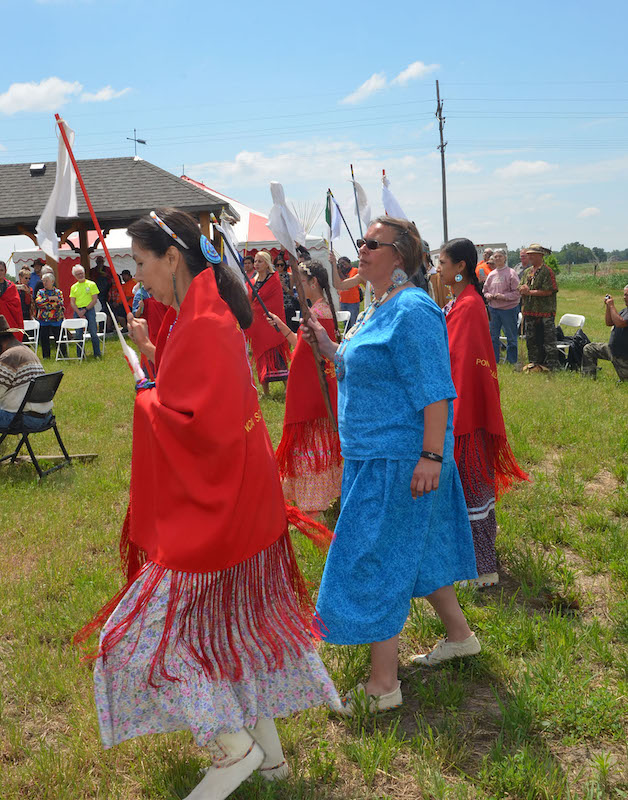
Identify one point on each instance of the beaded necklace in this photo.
(363, 318)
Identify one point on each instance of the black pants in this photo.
(45, 332)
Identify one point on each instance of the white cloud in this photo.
(47, 95)
(413, 72)
(592, 211)
(375, 83)
(524, 169)
(103, 95)
(464, 165)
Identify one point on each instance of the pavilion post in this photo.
(84, 249)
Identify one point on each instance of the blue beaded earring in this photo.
(458, 278)
(399, 277)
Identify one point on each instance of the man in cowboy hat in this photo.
(538, 306)
(18, 366)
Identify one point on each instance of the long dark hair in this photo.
(464, 250)
(151, 237)
(316, 270)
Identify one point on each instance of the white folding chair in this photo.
(503, 339)
(71, 326)
(343, 317)
(101, 327)
(575, 321)
(31, 327)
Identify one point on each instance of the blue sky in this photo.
(535, 96)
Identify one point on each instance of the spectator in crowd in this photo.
(35, 277)
(26, 295)
(50, 313)
(116, 305)
(303, 254)
(538, 305)
(83, 297)
(102, 279)
(483, 268)
(10, 305)
(616, 351)
(501, 292)
(524, 263)
(18, 366)
(347, 284)
(128, 284)
(249, 266)
(290, 302)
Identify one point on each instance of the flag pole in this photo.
(357, 207)
(96, 224)
(342, 217)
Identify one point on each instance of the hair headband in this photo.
(207, 248)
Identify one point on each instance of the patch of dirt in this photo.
(603, 485)
(550, 463)
(577, 762)
(595, 589)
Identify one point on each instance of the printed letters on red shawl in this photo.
(206, 500)
(11, 307)
(477, 407)
(263, 336)
(306, 419)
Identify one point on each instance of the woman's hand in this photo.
(425, 477)
(273, 320)
(138, 330)
(313, 331)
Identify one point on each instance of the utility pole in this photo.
(441, 147)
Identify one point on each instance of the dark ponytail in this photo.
(316, 270)
(464, 250)
(151, 237)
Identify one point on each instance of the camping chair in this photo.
(67, 325)
(41, 389)
(101, 326)
(31, 327)
(570, 321)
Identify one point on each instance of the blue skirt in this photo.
(389, 548)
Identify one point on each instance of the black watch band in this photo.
(431, 456)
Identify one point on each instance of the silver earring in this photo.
(399, 277)
(174, 288)
(458, 278)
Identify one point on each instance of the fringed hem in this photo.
(263, 600)
(308, 448)
(486, 458)
(272, 365)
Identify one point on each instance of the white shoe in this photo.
(274, 766)
(235, 757)
(445, 650)
(482, 581)
(357, 698)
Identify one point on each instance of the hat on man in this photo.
(39, 261)
(4, 327)
(535, 247)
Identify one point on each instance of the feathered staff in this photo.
(289, 232)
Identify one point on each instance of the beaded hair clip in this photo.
(167, 229)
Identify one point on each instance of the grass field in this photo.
(540, 713)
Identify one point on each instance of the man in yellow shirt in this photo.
(84, 296)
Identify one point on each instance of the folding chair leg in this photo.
(60, 441)
(18, 448)
(32, 455)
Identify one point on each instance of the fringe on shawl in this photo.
(308, 448)
(485, 455)
(272, 365)
(259, 610)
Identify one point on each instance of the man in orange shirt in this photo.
(347, 285)
(483, 268)
(128, 284)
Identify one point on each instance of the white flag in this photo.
(285, 226)
(230, 244)
(62, 200)
(333, 218)
(363, 206)
(391, 206)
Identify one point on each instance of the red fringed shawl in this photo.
(11, 308)
(307, 432)
(206, 503)
(261, 334)
(477, 409)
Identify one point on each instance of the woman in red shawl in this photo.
(485, 461)
(309, 459)
(270, 348)
(211, 632)
(10, 303)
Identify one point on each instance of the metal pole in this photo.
(442, 146)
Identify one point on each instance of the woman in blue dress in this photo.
(403, 529)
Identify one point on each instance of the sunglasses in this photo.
(373, 244)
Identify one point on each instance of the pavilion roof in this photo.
(121, 190)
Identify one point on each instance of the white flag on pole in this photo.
(391, 206)
(332, 216)
(363, 206)
(62, 200)
(282, 222)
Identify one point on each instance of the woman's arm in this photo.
(340, 284)
(427, 472)
(289, 335)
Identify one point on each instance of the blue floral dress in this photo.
(389, 547)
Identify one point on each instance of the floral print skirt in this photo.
(128, 706)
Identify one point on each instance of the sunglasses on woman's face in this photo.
(373, 244)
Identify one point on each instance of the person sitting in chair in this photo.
(18, 366)
(616, 351)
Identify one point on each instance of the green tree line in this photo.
(577, 253)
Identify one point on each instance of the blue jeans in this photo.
(92, 328)
(354, 309)
(30, 423)
(506, 319)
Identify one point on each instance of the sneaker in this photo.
(444, 651)
(358, 699)
(482, 581)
